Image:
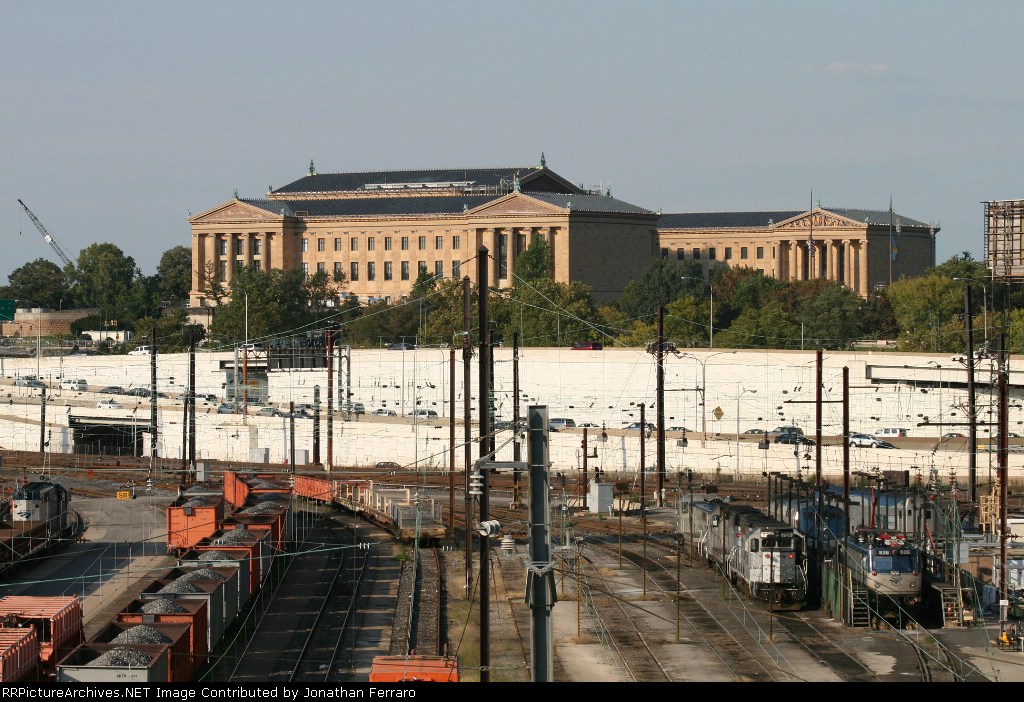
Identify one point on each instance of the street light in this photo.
(702, 388)
(711, 309)
(984, 300)
(741, 393)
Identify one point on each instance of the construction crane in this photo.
(46, 235)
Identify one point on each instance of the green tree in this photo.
(277, 305)
(834, 318)
(768, 327)
(40, 281)
(174, 274)
(927, 309)
(104, 277)
(535, 263)
(662, 282)
(548, 313)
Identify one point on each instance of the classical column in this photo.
(493, 252)
(862, 268)
(794, 263)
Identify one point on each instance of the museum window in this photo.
(321, 267)
(405, 243)
(321, 244)
(760, 252)
(222, 271)
(305, 245)
(370, 243)
(664, 253)
(371, 271)
(439, 269)
(680, 254)
(422, 242)
(421, 267)
(387, 270)
(337, 243)
(438, 242)
(222, 247)
(353, 244)
(256, 247)
(456, 269)
(728, 253)
(502, 256)
(338, 271)
(354, 274)
(696, 254)
(387, 243)
(405, 270)
(456, 241)
(305, 268)
(743, 253)
(239, 247)
(711, 253)
(239, 265)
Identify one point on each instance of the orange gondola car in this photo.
(409, 669)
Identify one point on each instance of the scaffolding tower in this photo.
(1003, 235)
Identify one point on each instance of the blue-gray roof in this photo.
(432, 205)
(488, 178)
(768, 218)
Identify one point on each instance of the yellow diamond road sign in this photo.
(718, 413)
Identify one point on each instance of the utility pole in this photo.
(540, 580)
(152, 401)
(972, 408)
(660, 356)
(467, 356)
(516, 445)
(585, 479)
(451, 443)
(1004, 450)
(192, 398)
(316, 421)
(819, 381)
(486, 442)
(330, 400)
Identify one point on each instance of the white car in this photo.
(384, 413)
(109, 404)
(77, 384)
(864, 440)
(140, 351)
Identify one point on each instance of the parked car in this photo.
(755, 431)
(424, 414)
(589, 425)
(786, 429)
(387, 465)
(138, 392)
(384, 413)
(864, 440)
(112, 390)
(587, 346)
(225, 408)
(140, 351)
(29, 382)
(401, 346)
(890, 433)
(109, 404)
(635, 426)
(76, 384)
(682, 429)
(884, 445)
(952, 435)
(795, 439)
(268, 412)
(557, 423)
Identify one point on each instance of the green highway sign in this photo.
(7, 310)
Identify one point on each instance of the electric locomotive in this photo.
(757, 553)
(43, 501)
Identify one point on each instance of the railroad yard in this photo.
(634, 602)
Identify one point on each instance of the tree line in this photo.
(735, 307)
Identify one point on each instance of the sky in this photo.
(119, 118)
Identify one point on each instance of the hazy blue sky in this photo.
(118, 118)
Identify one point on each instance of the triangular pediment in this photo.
(517, 203)
(234, 211)
(818, 219)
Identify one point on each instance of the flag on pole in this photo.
(810, 234)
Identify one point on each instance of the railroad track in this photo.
(420, 621)
(301, 629)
